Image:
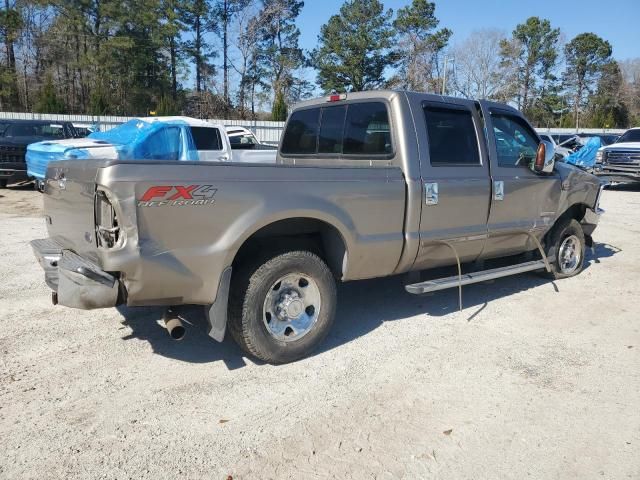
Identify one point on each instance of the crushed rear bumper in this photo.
(77, 282)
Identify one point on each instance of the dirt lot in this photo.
(533, 379)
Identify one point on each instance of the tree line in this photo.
(237, 58)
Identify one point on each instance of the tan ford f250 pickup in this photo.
(366, 185)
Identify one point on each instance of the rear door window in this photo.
(301, 136)
(367, 130)
(206, 138)
(452, 136)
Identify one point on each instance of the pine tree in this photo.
(279, 111)
(419, 46)
(586, 55)
(279, 54)
(354, 47)
(48, 102)
(534, 51)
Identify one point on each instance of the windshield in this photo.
(630, 136)
(47, 131)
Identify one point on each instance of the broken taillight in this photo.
(107, 227)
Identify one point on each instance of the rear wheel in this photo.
(280, 309)
(566, 249)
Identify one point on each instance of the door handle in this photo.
(431, 193)
(498, 190)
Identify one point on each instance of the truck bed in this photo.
(181, 223)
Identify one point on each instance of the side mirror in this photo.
(544, 158)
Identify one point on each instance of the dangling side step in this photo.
(475, 277)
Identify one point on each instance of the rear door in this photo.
(455, 181)
(522, 201)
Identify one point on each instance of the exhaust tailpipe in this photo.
(174, 325)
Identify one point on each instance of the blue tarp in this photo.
(134, 140)
(586, 156)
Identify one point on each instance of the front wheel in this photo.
(281, 309)
(566, 249)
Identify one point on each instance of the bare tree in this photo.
(247, 33)
(631, 88)
(479, 72)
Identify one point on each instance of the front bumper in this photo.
(615, 173)
(590, 220)
(75, 281)
(13, 172)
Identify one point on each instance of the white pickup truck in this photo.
(180, 138)
(620, 161)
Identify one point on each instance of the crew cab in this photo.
(366, 185)
(16, 135)
(620, 161)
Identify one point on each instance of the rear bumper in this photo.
(77, 282)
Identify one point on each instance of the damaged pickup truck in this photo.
(366, 185)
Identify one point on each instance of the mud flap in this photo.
(217, 312)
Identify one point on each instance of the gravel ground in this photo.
(533, 379)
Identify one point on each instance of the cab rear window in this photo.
(301, 136)
(355, 129)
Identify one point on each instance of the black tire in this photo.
(563, 230)
(249, 288)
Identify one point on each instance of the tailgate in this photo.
(69, 204)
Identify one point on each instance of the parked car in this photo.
(605, 138)
(243, 139)
(366, 185)
(561, 152)
(620, 161)
(15, 135)
(84, 129)
(148, 138)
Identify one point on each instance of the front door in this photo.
(455, 182)
(522, 202)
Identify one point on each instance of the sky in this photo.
(617, 21)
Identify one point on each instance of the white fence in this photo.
(266, 132)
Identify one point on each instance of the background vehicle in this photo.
(561, 152)
(84, 129)
(620, 161)
(605, 138)
(15, 135)
(366, 185)
(243, 139)
(152, 138)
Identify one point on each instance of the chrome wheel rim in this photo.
(291, 307)
(570, 254)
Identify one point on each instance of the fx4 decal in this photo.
(177, 195)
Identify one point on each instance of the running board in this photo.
(475, 277)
